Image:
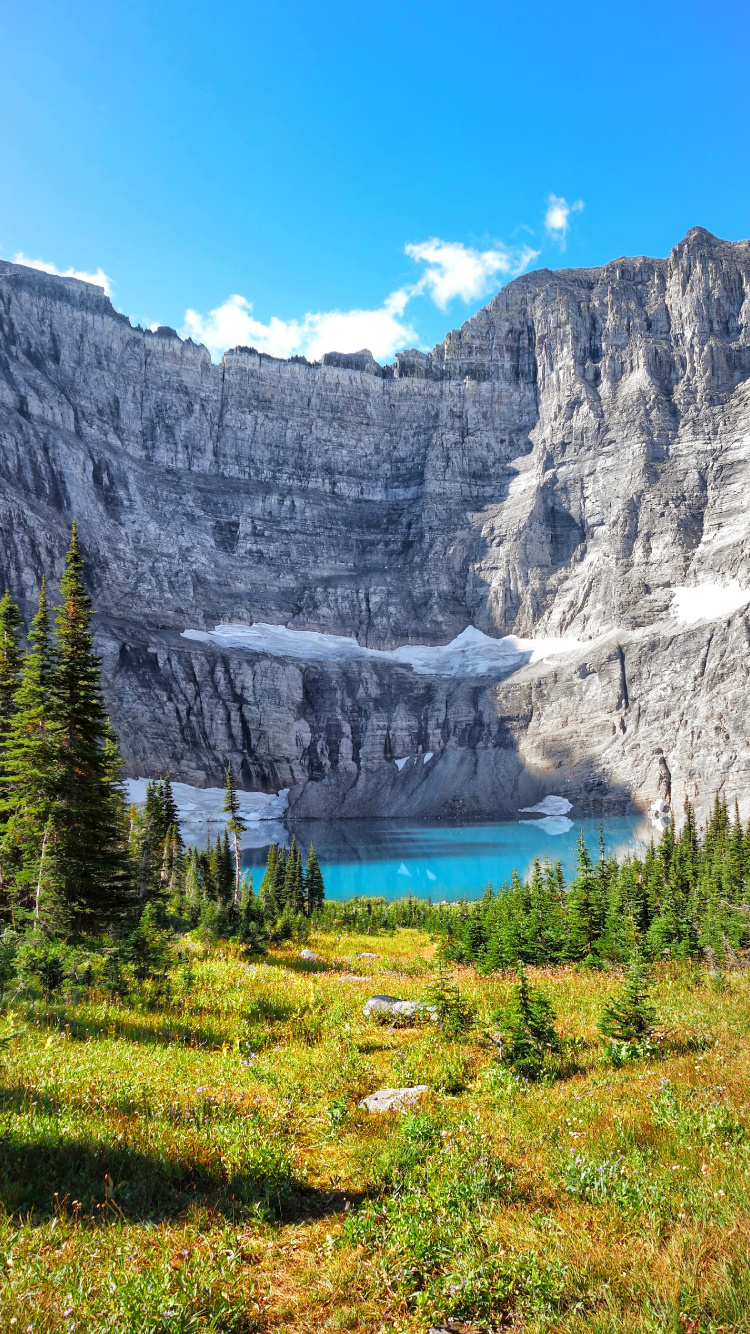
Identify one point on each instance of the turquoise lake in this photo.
(393, 858)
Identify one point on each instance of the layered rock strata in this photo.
(557, 467)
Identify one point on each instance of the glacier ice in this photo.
(472, 653)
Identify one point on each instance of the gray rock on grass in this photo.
(394, 1100)
(385, 1007)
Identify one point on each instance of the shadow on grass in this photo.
(154, 1033)
(99, 1181)
(304, 967)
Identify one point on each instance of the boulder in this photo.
(384, 1007)
(367, 956)
(309, 956)
(394, 1100)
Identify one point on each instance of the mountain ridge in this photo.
(558, 466)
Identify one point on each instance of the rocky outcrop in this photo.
(558, 466)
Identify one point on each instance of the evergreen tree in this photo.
(314, 887)
(225, 871)
(153, 832)
(51, 910)
(92, 860)
(236, 826)
(585, 906)
(155, 835)
(267, 886)
(452, 1013)
(294, 893)
(208, 888)
(31, 763)
(279, 878)
(632, 1017)
(529, 1036)
(11, 659)
(251, 923)
(169, 808)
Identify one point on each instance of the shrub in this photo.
(42, 961)
(8, 950)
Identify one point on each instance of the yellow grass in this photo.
(193, 1165)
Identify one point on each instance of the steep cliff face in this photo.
(558, 466)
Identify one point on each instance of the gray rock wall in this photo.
(556, 466)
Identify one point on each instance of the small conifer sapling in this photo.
(631, 1017)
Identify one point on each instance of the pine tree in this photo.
(236, 827)
(31, 772)
(251, 924)
(585, 906)
(50, 908)
(279, 878)
(169, 808)
(92, 859)
(633, 1017)
(452, 1013)
(11, 659)
(529, 1036)
(315, 892)
(207, 874)
(294, 894)
(152, 833)
(225, 871)
(267, 885)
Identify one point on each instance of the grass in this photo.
(202, 1164)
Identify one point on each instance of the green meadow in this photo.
(192, 1155)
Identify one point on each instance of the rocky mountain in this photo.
(572, 464)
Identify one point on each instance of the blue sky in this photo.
(305, 176)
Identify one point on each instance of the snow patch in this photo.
(471, 653)
(427, 756)
(707, 602)
(430, 875)
(403, 870)
(549, 806)
(400, 763)
(659, 814)
(201, 814)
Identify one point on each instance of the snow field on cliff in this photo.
(708, 602)
(471, 653)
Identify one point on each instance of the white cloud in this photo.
(452, 270)
(455, 270)
(99, 278)
(383, 330)
(557, 217)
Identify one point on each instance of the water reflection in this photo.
(395, 857)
